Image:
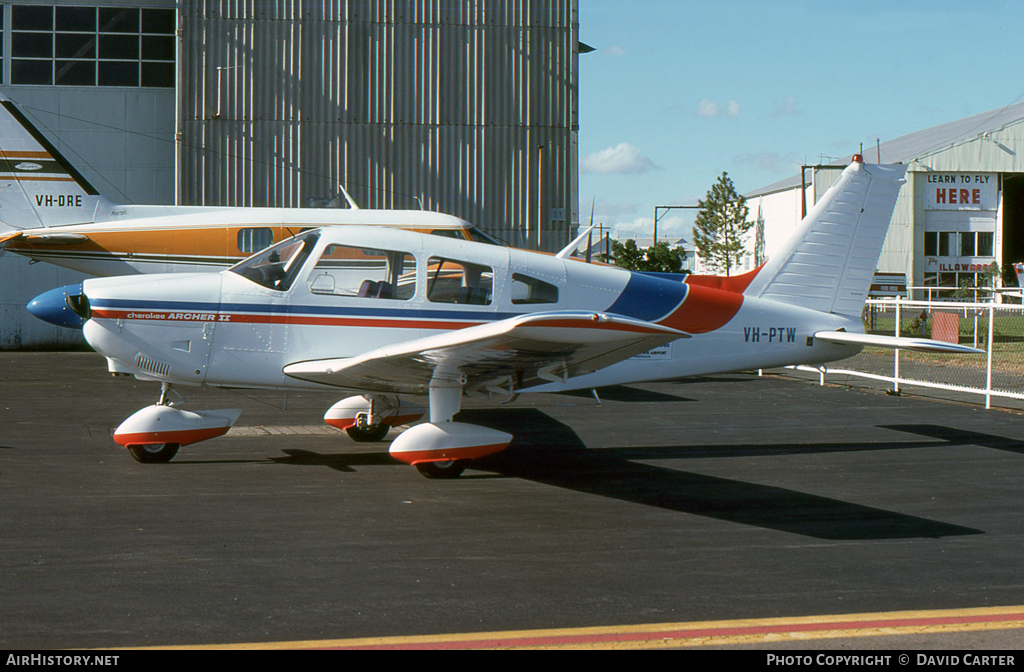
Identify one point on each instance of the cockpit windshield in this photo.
(276, 267)
(473, 233)
(481, 237)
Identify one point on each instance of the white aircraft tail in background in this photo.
(38, 186)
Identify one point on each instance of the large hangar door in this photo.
(1013, 223)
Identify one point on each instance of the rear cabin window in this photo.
(527, 290)
(255, 239)
(450, 281)
(364, 273)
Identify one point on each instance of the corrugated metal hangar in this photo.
(961, 209)
(467, 108)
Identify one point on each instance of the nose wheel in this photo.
(154, 453)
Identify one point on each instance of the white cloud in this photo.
(669, 227)
(786, 108)
(770, 161)
(709, 108)
(623, 159)
(614, 50)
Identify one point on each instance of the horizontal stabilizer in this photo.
(896, 342)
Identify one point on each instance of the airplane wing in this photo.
(42, 235)
(508, 355)
(895, 342)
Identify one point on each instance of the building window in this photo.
(967, 246)
(92, 46)
(946, 244)
(963, 244)
(986, 244)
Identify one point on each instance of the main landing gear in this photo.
(369, 418)
(153, 453)
(439, 449)
(442, 469)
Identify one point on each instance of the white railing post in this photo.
(988, 364)
(896, 352)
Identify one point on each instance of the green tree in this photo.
(721, 226)
(660, 257)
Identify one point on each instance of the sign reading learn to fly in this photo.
(961, 191)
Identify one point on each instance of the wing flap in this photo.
(518, 352)
(7, 237)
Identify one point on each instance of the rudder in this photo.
(829, 262)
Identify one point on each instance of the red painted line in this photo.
(235, 318)
(182, 436)
(396, 323)
(698, 633)
(415, 457)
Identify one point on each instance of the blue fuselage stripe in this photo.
(282, 309)
(649, 298)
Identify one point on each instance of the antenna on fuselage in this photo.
(571, 247)
(590, 242)
(351, 203)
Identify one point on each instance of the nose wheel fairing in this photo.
(165, 425)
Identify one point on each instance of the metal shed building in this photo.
(961, 209)
(468, 108)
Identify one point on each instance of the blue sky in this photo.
(678, 91)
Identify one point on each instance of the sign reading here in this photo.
(961, 191)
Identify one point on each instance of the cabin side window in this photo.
(254, 239)
(527, 290)
(451, 281)
(364, 272)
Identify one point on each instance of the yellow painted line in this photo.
(671, 635)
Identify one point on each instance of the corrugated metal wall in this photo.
(468, 105)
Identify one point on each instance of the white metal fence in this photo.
(998, 329)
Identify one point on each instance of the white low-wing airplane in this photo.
(387, 313)
(50, 212)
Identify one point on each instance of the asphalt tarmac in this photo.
(732, 497)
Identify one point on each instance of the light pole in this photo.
(666, 208)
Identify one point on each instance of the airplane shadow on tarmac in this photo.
(950, 436)
(547, 451)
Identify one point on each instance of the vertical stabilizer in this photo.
(38, 187)
(828, 263)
